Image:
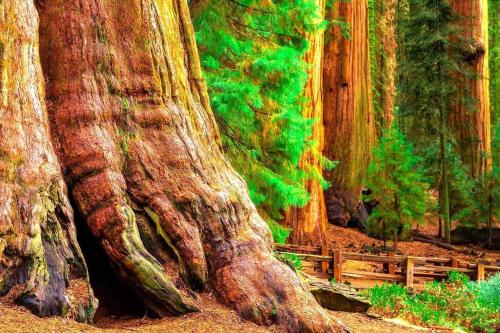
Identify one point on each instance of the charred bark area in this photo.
(308, 223)
(115, 297)
(133, 130)
(41, 265)
(348, 111)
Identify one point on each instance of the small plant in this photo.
(458, 303)
(291, 260)
(279, 232)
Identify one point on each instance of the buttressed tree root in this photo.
(132, 126)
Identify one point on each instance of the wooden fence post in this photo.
(409, 272)
(337, 265)
(391, 268)
(479, 271)
(454, 262)
(324, 264)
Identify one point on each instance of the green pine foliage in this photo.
(252, 57)
(396, 186)
(428, 90)
(461, 184)
(487, 190)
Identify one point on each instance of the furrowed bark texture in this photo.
(348, 111)
(309, 223)
(385, 75)
(473, 127)
(131, 117)
(41, 265)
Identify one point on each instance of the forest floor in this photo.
(215, 318)
(354, 241)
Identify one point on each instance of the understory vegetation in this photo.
(455, 303)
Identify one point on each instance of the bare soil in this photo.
(355, 241)
(214, 318)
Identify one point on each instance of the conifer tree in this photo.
(487, 192)
(472, 123)
(383, 46)
(397, 186)
(252, 55)
(348, 116)
(428, 88)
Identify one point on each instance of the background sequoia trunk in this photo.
(41, 265)
(385, 57)
(348, 111)
(473, 125)
(309, 223)
(142, 157)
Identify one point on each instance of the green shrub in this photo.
(458, 303)
(279, 232)
(488, 293)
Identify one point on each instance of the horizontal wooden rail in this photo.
(328, 263)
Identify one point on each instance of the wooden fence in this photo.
(329, 263)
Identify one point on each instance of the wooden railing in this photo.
(411, 271)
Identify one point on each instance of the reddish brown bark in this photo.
(473, 125)
(132, 122)
(41, 265)
(348, 111)
(309, 223)
(385, 57)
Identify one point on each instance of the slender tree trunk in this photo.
(309, 223)
(444, 193)
(133, 128)
(473, 126)
(385, 56)
(348, 112)
(490, 210)
(41, 264)
(440, 226)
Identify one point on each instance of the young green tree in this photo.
(428, 87)
(460, 183)
(396, 186)
(252, 56)
(487, 192)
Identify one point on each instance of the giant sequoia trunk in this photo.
(348, 111)
(132, 125)
(473, 124)
(385, 57)
(309, 223)
(41, 265)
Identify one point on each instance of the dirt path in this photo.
(361, 323)
(214, 318)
